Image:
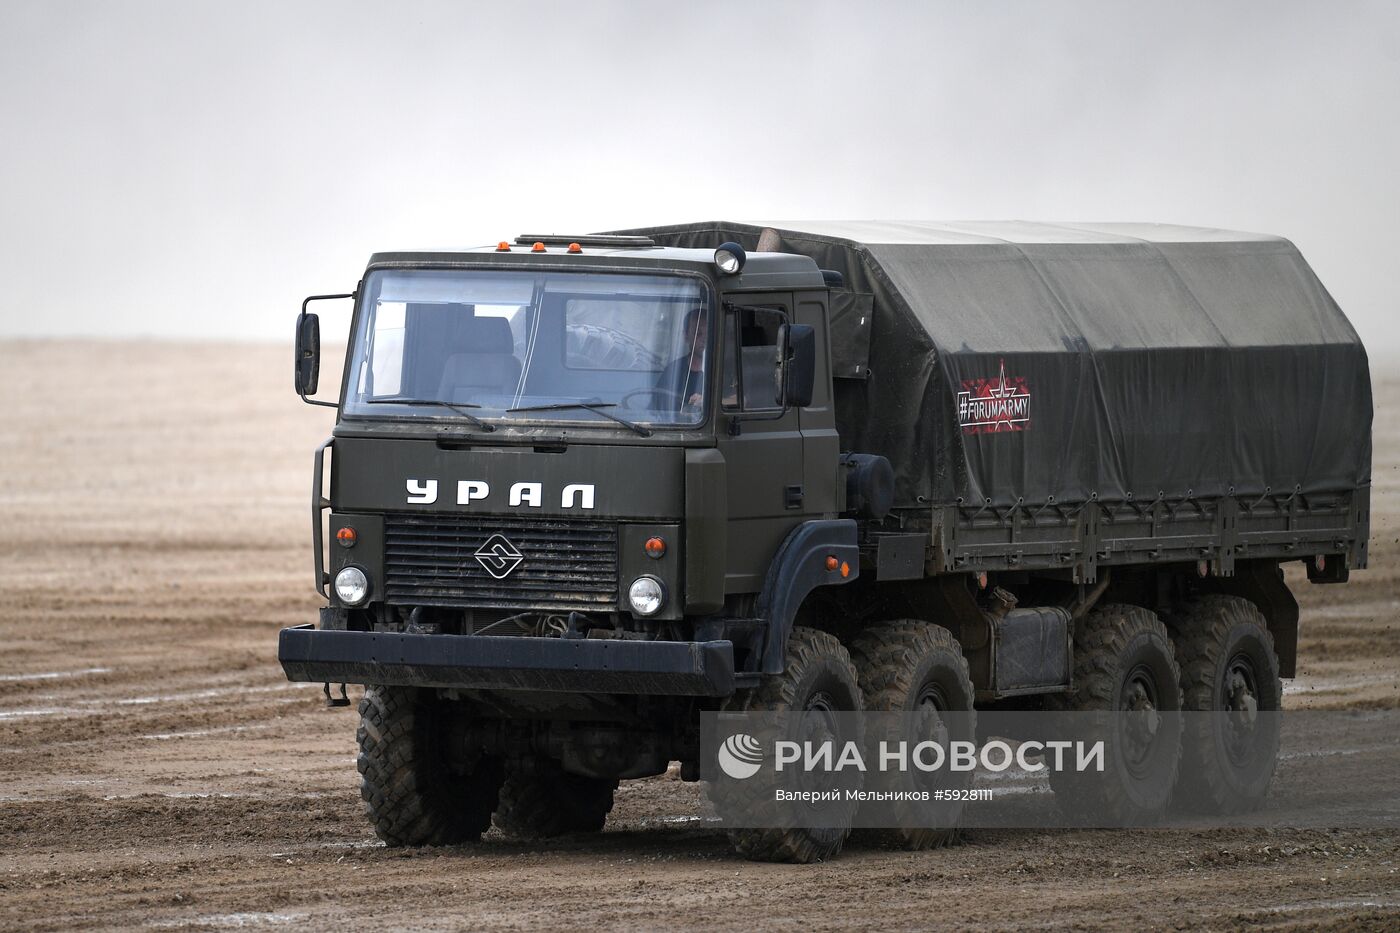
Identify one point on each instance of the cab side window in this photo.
(751, 359)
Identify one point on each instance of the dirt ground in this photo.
(156, 769)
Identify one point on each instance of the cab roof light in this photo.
(537, 248)
(575, 248)
(503, 247)
(730, 258)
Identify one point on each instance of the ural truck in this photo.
(582, 490)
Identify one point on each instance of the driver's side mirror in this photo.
(308, 359)
(797, 364)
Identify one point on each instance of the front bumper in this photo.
(502, 662)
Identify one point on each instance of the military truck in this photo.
(583, 489)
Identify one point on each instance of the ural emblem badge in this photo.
(499, 557)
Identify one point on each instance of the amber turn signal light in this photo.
(656, 547)
(346, 536)
(845, 569)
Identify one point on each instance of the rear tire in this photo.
(818, 675)
(414, 794)
(1123, 664)
(907, 666)
(1228, 666)
(539, 800)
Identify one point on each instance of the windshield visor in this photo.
(565, 344)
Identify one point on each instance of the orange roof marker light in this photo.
(575, 248)
(537, 248)
(503, 247)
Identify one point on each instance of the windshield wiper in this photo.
(595, 407)
(459, 407)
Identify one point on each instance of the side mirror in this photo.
(308, 362)
(797, 364)
(308, 359)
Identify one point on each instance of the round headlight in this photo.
(646, 594)
(351, 586)
(730, 258)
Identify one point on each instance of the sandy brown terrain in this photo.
(156, 769)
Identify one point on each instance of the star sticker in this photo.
(1005, 389)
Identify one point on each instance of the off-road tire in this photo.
(897, 661)
(1115, 647)
(816, 662)
(539, 800)
(413, 795)
(1214, 635)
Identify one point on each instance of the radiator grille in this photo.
(430, 560)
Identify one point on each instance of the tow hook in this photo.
(333, 702)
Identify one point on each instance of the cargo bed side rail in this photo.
(1286, 525)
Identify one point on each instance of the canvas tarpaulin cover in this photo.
(1034, 363)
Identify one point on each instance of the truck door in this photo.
(762, 449)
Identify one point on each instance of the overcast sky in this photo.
(193, 169)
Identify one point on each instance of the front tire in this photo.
(1125, 673)
(1229, 669)
(414, 793)
(818, 677)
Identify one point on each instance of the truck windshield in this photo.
(532, 346)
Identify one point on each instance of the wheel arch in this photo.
(798, 568)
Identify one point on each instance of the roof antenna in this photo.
(769, 241)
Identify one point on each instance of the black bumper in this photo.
(501, 662)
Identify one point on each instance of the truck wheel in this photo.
(911, 666)
(818, 677)
(539, 799)
(1228, 666)
(1125, 671)
(413, 795)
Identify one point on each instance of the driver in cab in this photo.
(682, 382)
(683, 379)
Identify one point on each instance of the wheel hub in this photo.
(1240, 701)
(930, 707)
(1142, 722)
